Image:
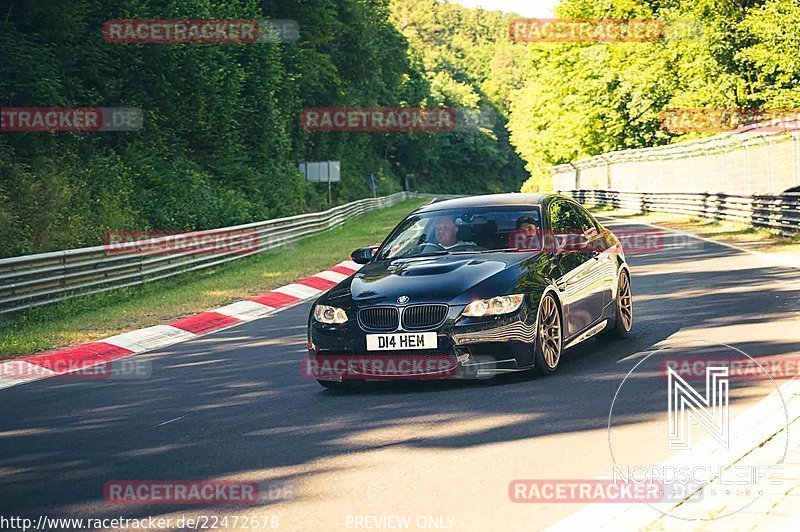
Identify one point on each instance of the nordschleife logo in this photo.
(711, 412)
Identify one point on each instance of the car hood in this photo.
(446, 279)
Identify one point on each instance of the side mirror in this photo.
(582, 241)
(590, 244)
(569, 242)
(364, 255)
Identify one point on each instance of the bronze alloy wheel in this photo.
(625, 302)
(549, 338)
(622, 323)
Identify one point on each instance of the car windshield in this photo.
(464, 231)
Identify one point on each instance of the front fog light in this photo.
(494, 306)
(329, 315)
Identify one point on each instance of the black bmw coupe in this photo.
(473, 287)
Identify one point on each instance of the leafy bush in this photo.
(221, 137)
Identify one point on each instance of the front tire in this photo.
(549, 337)
(623, 318)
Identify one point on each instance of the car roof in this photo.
(489, 200)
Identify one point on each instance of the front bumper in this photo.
(467, 348)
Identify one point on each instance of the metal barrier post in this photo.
(796, 143)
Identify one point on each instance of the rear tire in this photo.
(549, 337)
(623, 314)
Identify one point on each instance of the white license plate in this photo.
(401, 341)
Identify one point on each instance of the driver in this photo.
(446, 231)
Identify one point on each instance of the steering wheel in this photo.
(427, 245)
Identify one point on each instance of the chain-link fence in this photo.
(747, 162)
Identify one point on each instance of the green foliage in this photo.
(221, 136)
(466, 60)
(773, 29)
(579, 100)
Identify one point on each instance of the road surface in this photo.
(234, 405)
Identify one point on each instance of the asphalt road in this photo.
(234, 405)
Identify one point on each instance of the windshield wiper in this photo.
(505, 249)
(430, 254)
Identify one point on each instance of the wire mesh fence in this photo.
(746, 163)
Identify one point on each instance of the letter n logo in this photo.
(710, 412)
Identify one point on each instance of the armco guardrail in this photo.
(35, 280)
(743, 162)
(776, 212)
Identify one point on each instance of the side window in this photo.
(568, 218)
(571, 226)
(587, 222)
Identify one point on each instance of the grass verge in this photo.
(91, 318)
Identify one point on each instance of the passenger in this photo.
(526, 235)
(527, 224)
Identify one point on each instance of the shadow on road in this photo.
(234, 404)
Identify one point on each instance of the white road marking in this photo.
(150, 338)
(298, 290)
(245, 310)
(336, 277)
(16, 372)
(171, 420)
(350, 264)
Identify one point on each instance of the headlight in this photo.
(330, 315)
(494, 306)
